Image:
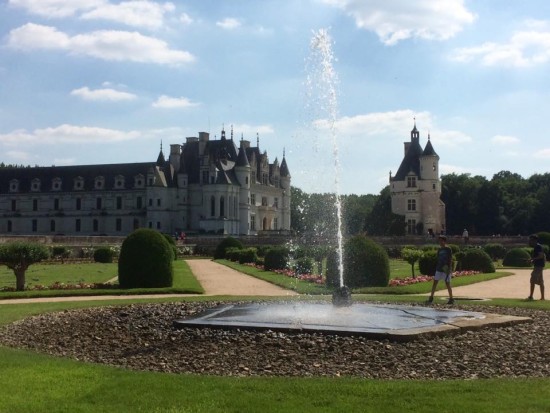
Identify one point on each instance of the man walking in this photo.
(538, 260)
(443, 269)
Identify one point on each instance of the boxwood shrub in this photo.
(517, 257)
(248, 255)
(496, 251)
(475, 259)
(103, 255)
(145, 260)
(228, 242)
(276, 258)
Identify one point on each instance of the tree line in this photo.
(506, 204)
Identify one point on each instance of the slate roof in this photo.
(429, 149)
(67, 174)
(411, 161)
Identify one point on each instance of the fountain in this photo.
(395, 322)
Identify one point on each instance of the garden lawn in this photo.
(39, 383)
(184, 281)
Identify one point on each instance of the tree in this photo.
(18, 256)
(411, 255)
(381, 221)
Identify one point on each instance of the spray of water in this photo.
(321, 85)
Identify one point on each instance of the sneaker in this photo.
(451, 301)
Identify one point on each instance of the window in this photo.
(118, 224)
(275, 223)
(222, 206)
(35, 204)
(118, 202)
(411, 226)
(34, 225)
(246, 180)
(119, 182)
(411, 205)
(56, 184)
(411, 181)
(13, 205)
(52, 225)
(78, 183)
(150, 224)
(99, 182)
(77, 225)
(212, 206)
(98, 203)
(253, 222)
(56, 204)
(433, 187)
(10, 226)
(434, 167)
(276, 202)
(139, 202)
(252, 199)
(264, 201)
(35, 185)
(158, 224)
(150, 201)
(139, 181)
(158, 202)
(95, 225)
(14, 185)
(78, 205)
(265, 179)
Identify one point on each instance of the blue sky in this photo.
(104, 81)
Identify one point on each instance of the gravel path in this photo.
(141, 337)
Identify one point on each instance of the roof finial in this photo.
(161, 145)
(284, 150)
(258, 140)
(231, 132)
(242, 136)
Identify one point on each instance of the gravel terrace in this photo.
(141, 337)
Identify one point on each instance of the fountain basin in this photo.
(393, 322)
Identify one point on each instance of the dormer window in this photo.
(35, 185)
(411, 181)
(139, 181)
(14, 185)
(119, 182)
(56, 184)
(78, 183)
(99, 182)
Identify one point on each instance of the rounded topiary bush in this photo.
(544, 238)
(304, 265)
(103, 255)
(276, 258)
(517, 257)
(428, 262)
(172, 243)
(495, 251)
(228, 242)
(232, 254)
(248, 255)
(145, 260)
(475, 259)
(366, 264)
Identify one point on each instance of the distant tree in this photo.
(356, 209)
(381, 221)
(18, 256)
(411, 255)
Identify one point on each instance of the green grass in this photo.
(301, 287)
(39, 383)
(184, 282)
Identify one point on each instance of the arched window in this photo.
(212, 206)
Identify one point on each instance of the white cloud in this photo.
(229, 23)
(106, 94)
(542, 154)
(106, 44)
(56, 8)
(140, 13)
(398, 20)
(68, 134)
(504, 140)
(186, 19)
(18, 155)
(167, 102)
(524, 49)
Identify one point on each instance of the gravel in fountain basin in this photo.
(141, 337)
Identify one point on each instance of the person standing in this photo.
(465, 236)
(538, 260)
(443, 269)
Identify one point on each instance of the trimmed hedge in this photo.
(475, 259)
(248, 255)
(428, 262)
(104, 255)
(145, 260)
(276, 258)
(228, 242)
(517, 257)
(304, 265)
(495, 251)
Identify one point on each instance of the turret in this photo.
(429, 163)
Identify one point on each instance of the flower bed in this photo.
(399, 282)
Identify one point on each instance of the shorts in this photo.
(440, 275)
(536, 276)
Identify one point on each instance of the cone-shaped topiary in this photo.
(228, 242)
(145, 260)
(517, 257)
